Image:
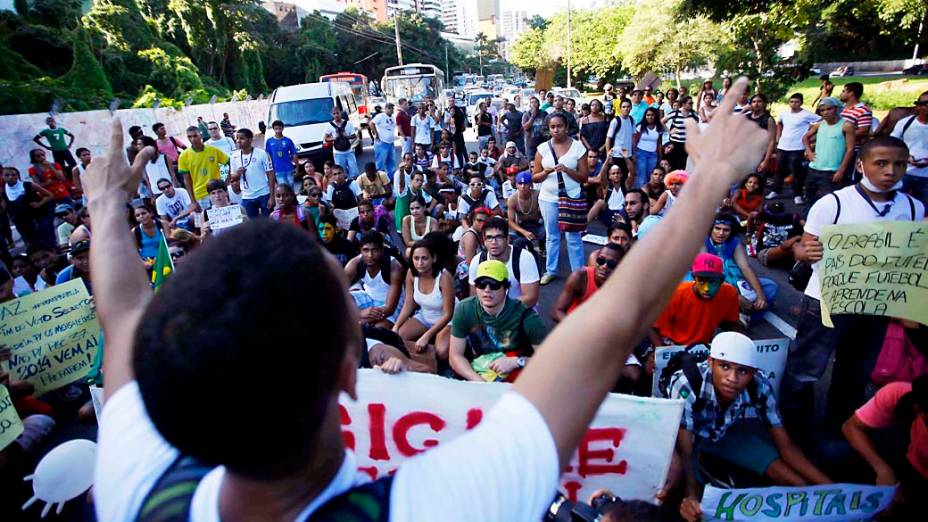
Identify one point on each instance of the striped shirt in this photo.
(676, 125)
(860, 116)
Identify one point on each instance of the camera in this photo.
(563, 510)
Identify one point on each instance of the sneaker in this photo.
(799, 200)
(547, 278)
(745, 320)
(773, 195)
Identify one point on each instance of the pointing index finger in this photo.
(727, 107)
(116, 140)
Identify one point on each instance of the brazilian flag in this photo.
(163, 266)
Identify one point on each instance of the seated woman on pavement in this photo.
(524, 212)
(674, 182)
(288, 211)
(723, 241)
(424, 320)
(370, 217)
(717, 394)
(493, 336)
(610, 197)
(417, 224)
(468, 237)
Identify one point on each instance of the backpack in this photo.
(172, 495)
(342, 143)
(515, 257)
(476, 202)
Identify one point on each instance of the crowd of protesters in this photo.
(444, 251)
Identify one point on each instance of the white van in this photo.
(306, 111)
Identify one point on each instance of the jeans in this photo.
(257, 206)
(818, 184)
(385, 157)
(284, 178)
(553, 241)
(348, 162)
(644, 163)
(917, 187)
(531, 147)
(482, 141)
(789, 162)
(859, 338)
(407, 145)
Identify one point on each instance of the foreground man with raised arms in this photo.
(177, 366)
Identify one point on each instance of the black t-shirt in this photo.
(460, 121)
(381, 226)
(342, 249)
(484, 130)
(777, 229)
(343, 198)
(513, 122)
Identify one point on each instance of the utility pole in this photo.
(568, 44)
(447, 70)
(396, 30)
(918, 36)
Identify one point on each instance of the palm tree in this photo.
(480, 42)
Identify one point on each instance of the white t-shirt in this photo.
(511, 454)
(621, 136)
(225, 144)
(386, 128)
(508, 190)
(257, 164)
(490, 202)
(172, 207)
(451, 160)
(332, 132)
(795, 125)
(157, 171)
(422, 129)
(916, 137)
(854, 209)
(648, 139)
(570, 160)
(528, 272)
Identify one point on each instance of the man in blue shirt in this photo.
(638, 106)
(79, 256)
(283, 155)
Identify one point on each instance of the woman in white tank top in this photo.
(426, 318)
(417, 218)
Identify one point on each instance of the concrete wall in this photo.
(92, 128)
(877, 66)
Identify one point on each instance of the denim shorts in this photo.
(744, 447)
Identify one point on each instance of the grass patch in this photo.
(881, 93)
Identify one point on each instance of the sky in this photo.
(546, 7)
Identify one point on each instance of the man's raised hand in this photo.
(111, 172)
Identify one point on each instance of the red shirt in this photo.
(860, 116)
(58, 189)
(591, 288)
(690, 319)
(404, 122)
(749, 202)
(880, 412)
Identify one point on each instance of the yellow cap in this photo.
(493, 269)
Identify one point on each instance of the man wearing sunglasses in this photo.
(913, 130)
(520, 263)
(493, 323)
(583, 283)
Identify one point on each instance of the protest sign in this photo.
(771, 359)
(626, 449)
(878, 268)
(832, 502)
(10, 425)
(224, 217)
(596, 240)
(52, 335)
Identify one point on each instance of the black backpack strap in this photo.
(483, 256)
(911, 206)
(525, 344)
(838, 213)
(367, 503)
(170, 499)
(691, 371)
(906, 126)
(516, 261)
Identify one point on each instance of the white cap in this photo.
(734, 347)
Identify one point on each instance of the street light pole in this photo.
(568, 44)
(396, 30)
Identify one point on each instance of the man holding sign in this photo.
(856, 337)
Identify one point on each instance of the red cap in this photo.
(707, 265)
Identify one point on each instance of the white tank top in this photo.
(430, 304)
(412, 228)
(375, 286)
(667, 204)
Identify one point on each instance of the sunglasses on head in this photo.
(610, 263)
(492, 284)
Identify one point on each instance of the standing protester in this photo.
(593, 129)
(675, 121)
(49, 176)
(383, 133)
(569, 116)
(914, 132)
(199, 165)
(859, 337)
(458, 121)
(422, 126)
(169, 145)
(533, 124)
(860, 117)
(30, 207)
(59, 143)
(253, 169)
(157, 169)
(222, 142)
(83, 159)
(338, 136)
(283, 154)
(483, 122)
(227, 128)
(825, 90)
(638, 106)
(648, 145)
(204, 130)
(512, 123)
(763, 119)
(791, 127)
(621, 138)
(404, 125)
(830, 161)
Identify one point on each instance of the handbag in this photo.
(899, 359)
(571, 212)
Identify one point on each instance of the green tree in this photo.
(86, 74)
(528, 52)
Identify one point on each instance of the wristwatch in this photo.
(521, 362)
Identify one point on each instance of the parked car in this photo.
(919, 69)
(844, 70)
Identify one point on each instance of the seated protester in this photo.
(287, 211)
(314, 206)
(370, 217)
(524, 280)
(417, 190)
(610, 200)
(308, 174)
(445, 177)
(489, 162)
(776, 233)
(343, 195)
(385, 349)
(469, 237)
(636, 210)
(697, 308)
(619, 234)
(724, 243)
(447, 210)
(234, 191)
(474, 166)
(422, 159)
(81, 231)
(26, 278)
(379, 276)
(502, 332)
(509, 185)
(375, 185)
(477, 195)
(890, 433)
(418, 223)
(425, 318)
(338, 246)
(174, 206)
(655, 185)
(674, 182)
(46, 260)
(749, 199)
(717, 394)
(69, 220)
(79, 256)
(524, 212)
(219, 198)
(511, 158)
(30, 206)
(186, 240)
(148, 233)
(493, 150)
(445, 157)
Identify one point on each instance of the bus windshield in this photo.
(303, 112)
(414, 89)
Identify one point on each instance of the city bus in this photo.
(359, 86)
(415, 82)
